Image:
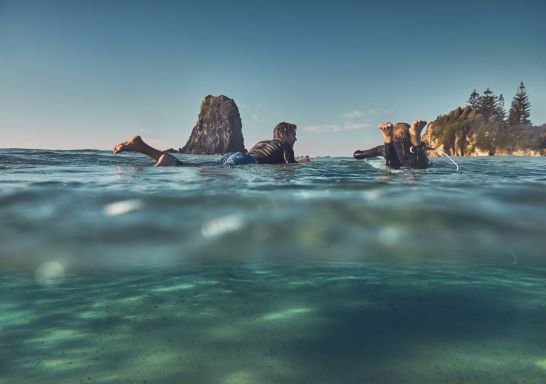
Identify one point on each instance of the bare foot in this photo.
(415, 131)
(132, 145)
(386, 130)
(166, 160)
(416, 127)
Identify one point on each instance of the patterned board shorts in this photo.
(233, 158)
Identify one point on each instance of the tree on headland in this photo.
(474, 98)
(520, 111)
(500, 113)
(486, 105)
(482, 127)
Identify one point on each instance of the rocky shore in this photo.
(464, 132)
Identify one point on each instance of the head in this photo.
(400, 131)
(285, 132)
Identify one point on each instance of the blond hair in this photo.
(401, 131)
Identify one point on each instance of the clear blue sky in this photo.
(88, 74)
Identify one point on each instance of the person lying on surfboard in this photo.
(402, 146)
(277, 151)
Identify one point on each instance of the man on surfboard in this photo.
(277, 151)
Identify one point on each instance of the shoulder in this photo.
(281, 144)
(277, 144)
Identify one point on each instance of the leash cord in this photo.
(442, 153)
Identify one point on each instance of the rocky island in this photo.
(218, 129)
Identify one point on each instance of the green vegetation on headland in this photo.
(482, 128)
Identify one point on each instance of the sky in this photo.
(81, 74)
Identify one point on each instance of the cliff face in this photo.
(463, 132)
(218, 129)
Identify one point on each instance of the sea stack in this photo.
(218, 129)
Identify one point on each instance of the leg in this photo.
(239, 158)
(415, 132)
(167, 160)
(419, 157)
(386, 129)
(402, 142)
(391, 157)
(136, 144)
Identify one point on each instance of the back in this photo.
(273, 152)
(409, 156)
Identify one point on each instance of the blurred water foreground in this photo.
(336, 271)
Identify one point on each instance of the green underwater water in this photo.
(272, 323)
(337, 271)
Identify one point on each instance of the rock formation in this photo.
(464, 132)
(218, 128)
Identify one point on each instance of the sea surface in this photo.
(336, 271)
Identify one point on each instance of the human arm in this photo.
(372, 152)
(288, 154)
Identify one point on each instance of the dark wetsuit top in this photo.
(397, 154)
(272, 152)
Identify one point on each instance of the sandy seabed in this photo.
(322, 323)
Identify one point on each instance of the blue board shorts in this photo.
(233, 158)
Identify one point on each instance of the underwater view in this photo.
(335, 271)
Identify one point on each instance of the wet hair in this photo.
(401, 131)
(283, 129)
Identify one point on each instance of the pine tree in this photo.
(520, 111)
(473, 100)
(486, 105)
(500, 113)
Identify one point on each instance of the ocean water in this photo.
(336, 271)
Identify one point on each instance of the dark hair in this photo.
(283, 129)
